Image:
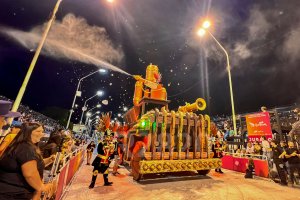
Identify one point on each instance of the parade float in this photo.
(160, 140)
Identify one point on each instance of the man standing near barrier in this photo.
(295, 132)
(292, 154)
(278, 161)
(101, 163)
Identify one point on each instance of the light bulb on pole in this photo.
(201, 32)
(84, 108)
(78, 93)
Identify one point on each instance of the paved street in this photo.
(231, 186)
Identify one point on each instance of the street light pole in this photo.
(74, 100)
(230, 81)
(84, 106)
(35, 57)
(89, 117)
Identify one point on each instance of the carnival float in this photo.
(159, 140)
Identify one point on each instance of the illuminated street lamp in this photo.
(201, 32)
(84, 108)
(125, 108)
(78, 93)
(89, 117)
(97, 106)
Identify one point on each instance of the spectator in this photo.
(265, 145)
(52, 145)
(243, 152)
(225, 146)
(21, 166)
(257, 148)
(277, 159)
(5, 113)
(283, 148)
(295, 132)
(292, 154)
(250, 148)
(264, 109)
(15, 129)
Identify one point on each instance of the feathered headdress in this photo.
(104, 122)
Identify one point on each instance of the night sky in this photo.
(262, 38)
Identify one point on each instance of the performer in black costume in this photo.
(101, 163)
(218, 153)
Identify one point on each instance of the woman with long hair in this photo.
(21, 166)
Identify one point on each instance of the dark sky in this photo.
(261, 36)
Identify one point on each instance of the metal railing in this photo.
(242, 155)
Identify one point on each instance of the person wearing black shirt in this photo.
(21, 166)
(278, 161)
(89, 151)
(292, 154)
(51, 147)
(283, 147)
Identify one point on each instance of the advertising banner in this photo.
(258, 125)
(61, 183)
(240, 165)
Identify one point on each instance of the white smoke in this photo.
(242, 51)
(258, 28)
(258, 25)
(72, 38)
(291, 45)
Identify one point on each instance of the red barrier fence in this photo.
(68, 171)
(240, 165)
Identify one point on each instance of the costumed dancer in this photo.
(105, 151)
(218, 153)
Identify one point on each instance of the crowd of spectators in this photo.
(25, 162)
(29, 115)
(281, 153)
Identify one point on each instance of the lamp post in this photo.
(90, 116)
(35, 57)
(91, 122)
(201, 32)
(99, 93)
(77, 93)
(97, 106)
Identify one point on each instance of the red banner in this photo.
(61, 183)
(258, 125)
(70, 170)
(240, 165)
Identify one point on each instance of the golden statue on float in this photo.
(160, 140)
(150, 86)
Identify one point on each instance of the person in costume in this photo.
(105, 151)
(101, 163)
(218, 153)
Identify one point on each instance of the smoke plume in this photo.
(73, 38)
